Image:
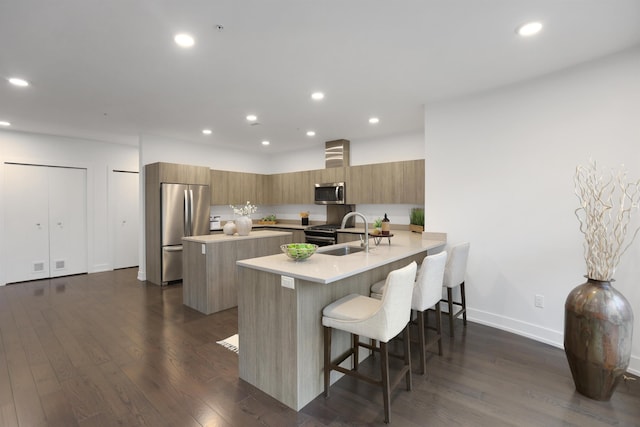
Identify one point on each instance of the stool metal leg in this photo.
(450, 303)
(407, 356)
(384, 367)
(439, 327)
(422, 342)
(355, 343)
(464, 304)
(327, 360)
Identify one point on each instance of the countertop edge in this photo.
(221, 238)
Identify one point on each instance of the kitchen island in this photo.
(209, 282)
(280, 304)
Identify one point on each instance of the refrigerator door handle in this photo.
(186, 213)
(191, 213)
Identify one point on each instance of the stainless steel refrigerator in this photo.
(185, 212)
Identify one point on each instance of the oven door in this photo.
(320, 240)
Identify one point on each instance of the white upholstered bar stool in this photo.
(454, 276)
(375, 319)
(426, 295)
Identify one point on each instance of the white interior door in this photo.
(67, 221)
(125, 204)
(26, 212)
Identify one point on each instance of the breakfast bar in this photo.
(280, 304)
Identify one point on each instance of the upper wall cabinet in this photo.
(236, 188)
(413, 177)
(386, 183)
(179, 174)
(381, 183)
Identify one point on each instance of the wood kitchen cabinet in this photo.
(380, 183)
(219, 187)
(235, 188)
(178, 174)
(386, 183)
(413, 177)
(359, 188)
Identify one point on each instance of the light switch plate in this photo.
(287, 282)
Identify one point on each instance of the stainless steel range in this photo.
(325, 234)
(322, 235)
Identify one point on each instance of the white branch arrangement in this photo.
(245, 210)
(604, 214)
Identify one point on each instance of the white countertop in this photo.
(323, 268)
(218, 238)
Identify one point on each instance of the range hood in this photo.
(336, 153)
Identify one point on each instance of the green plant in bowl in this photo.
(299, 251)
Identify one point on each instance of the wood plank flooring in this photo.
(107, 350)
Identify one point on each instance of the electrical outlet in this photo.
(204, 249)
(287, 282)
(539, 301)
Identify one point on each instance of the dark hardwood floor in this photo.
(106, 350)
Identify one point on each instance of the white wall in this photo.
(157, 149)
(97, 157)
(499, 173)
(395, 148)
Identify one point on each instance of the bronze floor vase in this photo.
(598, 326)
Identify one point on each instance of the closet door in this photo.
(26, 213)
(125, 204)
(67, 221)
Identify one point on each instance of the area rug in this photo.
(231, 343)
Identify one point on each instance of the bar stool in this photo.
(454, 274)
(376, 319)
(426, 295)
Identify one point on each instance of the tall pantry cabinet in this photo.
(45, 222)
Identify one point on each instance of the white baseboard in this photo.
(634, 365)
(99, 268)
(142, 275)
(534, 332)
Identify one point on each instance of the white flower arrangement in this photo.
(604, 215)
(245, 210)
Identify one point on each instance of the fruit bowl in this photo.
(299, 251)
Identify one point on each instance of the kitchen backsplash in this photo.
(398, 214)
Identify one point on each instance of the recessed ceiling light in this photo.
(311, 133)
(252, 117)
(374, 120)
(265, 142)
(3, 123)
(317, 96)
(529, 29)
(18, 81)
(206, 131)
(184, 40)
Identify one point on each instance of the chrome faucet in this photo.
(366, 227)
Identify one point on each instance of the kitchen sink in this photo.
(345, 250)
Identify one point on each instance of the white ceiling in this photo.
(109, 69)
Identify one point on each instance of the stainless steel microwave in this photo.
(331, 193)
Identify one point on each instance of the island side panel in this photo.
(267, 329)
(194, 277)
(221, 276)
